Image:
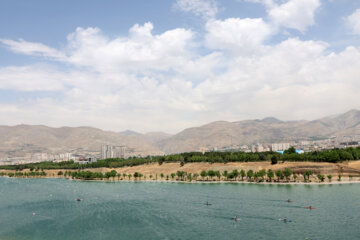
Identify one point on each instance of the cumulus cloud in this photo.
(204, 8)
(294, 14)
(141, 50)
(245, 35)
(354, 22)
(146, 81)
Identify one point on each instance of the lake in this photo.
(47, 209)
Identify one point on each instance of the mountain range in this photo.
(25, 139)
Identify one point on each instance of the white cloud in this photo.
(245, 35)
(30, 48)
(141, 50)
(31, 78)
(146, 82)
(267, 3)
(354, 22)
(205, 8)
(295, 14)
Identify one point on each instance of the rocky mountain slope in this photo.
(22, 139)
(222, 133)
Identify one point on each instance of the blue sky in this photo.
(167, 65)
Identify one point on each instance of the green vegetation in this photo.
(329, 177)
(287, 173)
(333, 156)
(339, 177)
(321, 177)
(307, 175)
(262, 175)
(270, 174)
(24, 174)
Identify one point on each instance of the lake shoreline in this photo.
(192, 173)
(356, 181)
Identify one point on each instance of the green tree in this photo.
(180, 174)
(320, 177)
(173, 176)
(291, 150)
(203, 174)
(287, 173)
(235, 174)
(329, 177)
(307, 175)
(218, 175)
(113, 174)
(211, 174)
(295, 176)
(242, 174)
(261, 173)
(189, 177)
(339, 177)
(225, 174)
(270, 174)
(279, 174)
(250, 174)
(274, 159)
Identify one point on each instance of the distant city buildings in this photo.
(110, 151)
(301, 146)
(86, 160)
(84, 156)
(280, 146)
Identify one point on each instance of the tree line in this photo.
(332, 156)
(281, 175)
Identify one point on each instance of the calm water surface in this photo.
(175, 210)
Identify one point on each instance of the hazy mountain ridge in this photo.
(22, 139)
(222, 133)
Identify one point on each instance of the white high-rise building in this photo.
(119, 152)
(107, 151)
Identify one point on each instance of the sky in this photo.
(167, 65)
